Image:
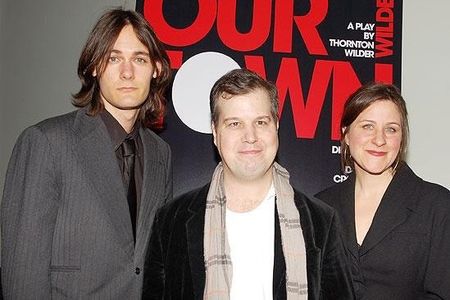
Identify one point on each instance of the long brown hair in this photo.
(96, 52)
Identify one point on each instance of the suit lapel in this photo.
(151, 193)
(395, 206)
(313, 252)
(94, 151)
(195, 231)
(279, 264)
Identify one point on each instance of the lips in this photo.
(127, 89)
(250, 152)
(376, 153)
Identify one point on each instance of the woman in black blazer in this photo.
(396, 226)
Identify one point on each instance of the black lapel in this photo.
(313, 252)
(94, 151)
(279, 265)
(397, 203)
(345, 204)
(194, 232)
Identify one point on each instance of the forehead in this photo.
(256, 102)
(381, 109)
(127, 40)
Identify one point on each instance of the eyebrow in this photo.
(136, 53)
(230, 119)
(372, 121)
(394, 123)
(257, 118)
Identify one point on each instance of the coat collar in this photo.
(398, 202)
(151, 193)
(345, 204)
(195, 232)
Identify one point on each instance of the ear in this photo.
(213, 129)
(346, 136)
(278, 124)
(94, 73)
(157, 71)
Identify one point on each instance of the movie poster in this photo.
(317, 52)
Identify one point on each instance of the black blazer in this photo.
(406, 252)
(175, 269)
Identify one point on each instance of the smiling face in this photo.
(374, 138)
(246, 135)
(125, 81)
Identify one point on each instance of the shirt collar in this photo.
(116, 131)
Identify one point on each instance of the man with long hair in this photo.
(81, 189)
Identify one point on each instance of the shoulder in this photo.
(194, 201)
(156, 142)
(58, 122)
(200, 192)
(312, 202)
(435, 191)
(318, 220)
(426, 193)
(337, 193)
(149, 134)
(435, 196)
(314, 209)
(47, 129)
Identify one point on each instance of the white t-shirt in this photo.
(251, 238)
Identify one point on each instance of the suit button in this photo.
(138, 271)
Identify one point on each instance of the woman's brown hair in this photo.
(360, 100)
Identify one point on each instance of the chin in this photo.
(250, 175)
(376, 169)
(132, 106)
(379, 171)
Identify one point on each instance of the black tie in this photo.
(128, 152)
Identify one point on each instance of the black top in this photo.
(118, 135)
(405, 253)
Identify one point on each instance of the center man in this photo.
(247, 234)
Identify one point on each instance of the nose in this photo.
(127, 70)
(379, 138)
(250, 135)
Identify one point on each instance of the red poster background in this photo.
(317, 52)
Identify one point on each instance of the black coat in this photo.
(406, 252)
(175, 264)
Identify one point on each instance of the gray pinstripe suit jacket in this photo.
(66, 229)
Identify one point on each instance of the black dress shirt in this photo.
(118, 135)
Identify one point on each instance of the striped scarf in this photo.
(219, 269)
